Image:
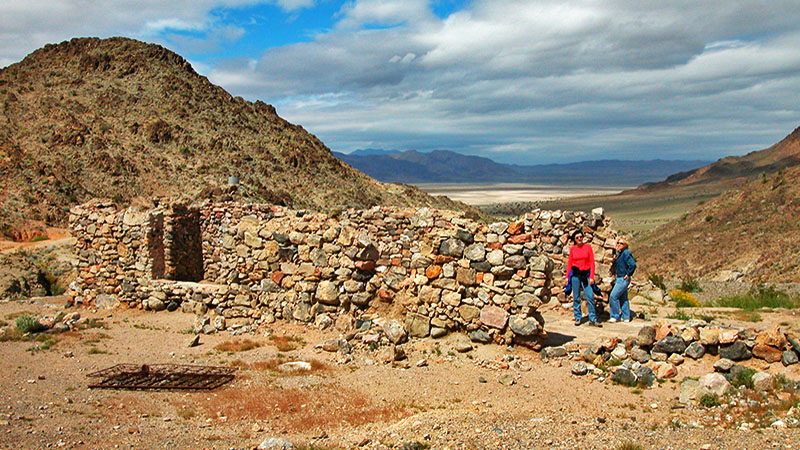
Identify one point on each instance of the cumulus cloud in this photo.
(533, 81)
(291, 5)
(34, 23)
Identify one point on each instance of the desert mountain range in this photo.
(130, 121)
(738, 169)
(443, 166)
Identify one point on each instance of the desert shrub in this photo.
(28, 324)
(629, 445)
(614, 362)
(237, 346)
(742, 376)
(39, 238)
(709, 400)
(52, 286)
(684, 299)
(657, 280)
(689, 285)
(679, 315)
(186, 413)
(759, 297)
(286, 343)
(11, 335)
(45, 342)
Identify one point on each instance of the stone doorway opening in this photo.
(183, 243)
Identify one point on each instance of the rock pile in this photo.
(438, 269)
(658, 350)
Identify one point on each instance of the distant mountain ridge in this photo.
(736, 169)
(444, 166)
(747, 233)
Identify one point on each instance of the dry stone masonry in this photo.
(240, 264)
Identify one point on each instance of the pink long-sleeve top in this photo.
(582, 258)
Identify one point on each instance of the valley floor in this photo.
(491, 397)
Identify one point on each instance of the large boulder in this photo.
(670, 344)
(735, 351)
(524, 326)
(646, 336)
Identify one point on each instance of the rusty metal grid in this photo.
(162, 376)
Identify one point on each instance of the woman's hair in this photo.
(575, 233)
(623, 240)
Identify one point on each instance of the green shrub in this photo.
(28, 324)
(684, 299)
(741, 376)
(759, 297)
(39, 238)
(657, 280)
(709, 400)
(614, 362)
(689, 285)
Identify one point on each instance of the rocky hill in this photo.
(131, 121)
(736, 169)
(749, 233)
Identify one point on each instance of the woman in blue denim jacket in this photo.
(618, 299)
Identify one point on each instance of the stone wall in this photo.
(437, 270)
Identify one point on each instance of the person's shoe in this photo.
(612, 320)
(596, 324)
(626, 320)
(577, 322)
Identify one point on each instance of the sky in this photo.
(527, 82)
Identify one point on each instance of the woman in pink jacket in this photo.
(580, 274)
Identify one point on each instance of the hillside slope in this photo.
(127, 120)
(785, 153)
(750, 231)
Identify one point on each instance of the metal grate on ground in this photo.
(162, 376)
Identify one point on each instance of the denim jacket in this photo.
(626, 265)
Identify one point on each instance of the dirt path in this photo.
(55, 237)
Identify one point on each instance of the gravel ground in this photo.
(489, 398)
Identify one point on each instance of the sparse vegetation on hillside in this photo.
(759, 297)
(684, 299)
(129, 121)
(751, 236)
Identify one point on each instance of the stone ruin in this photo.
(424, 271)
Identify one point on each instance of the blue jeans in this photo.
(576, 299)
(618, 300)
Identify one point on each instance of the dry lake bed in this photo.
(486, 194)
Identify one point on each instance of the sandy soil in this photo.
(452, 401)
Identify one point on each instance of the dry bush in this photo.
(286, 343)
(321, 407)
(11, 334)
(237, 345)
